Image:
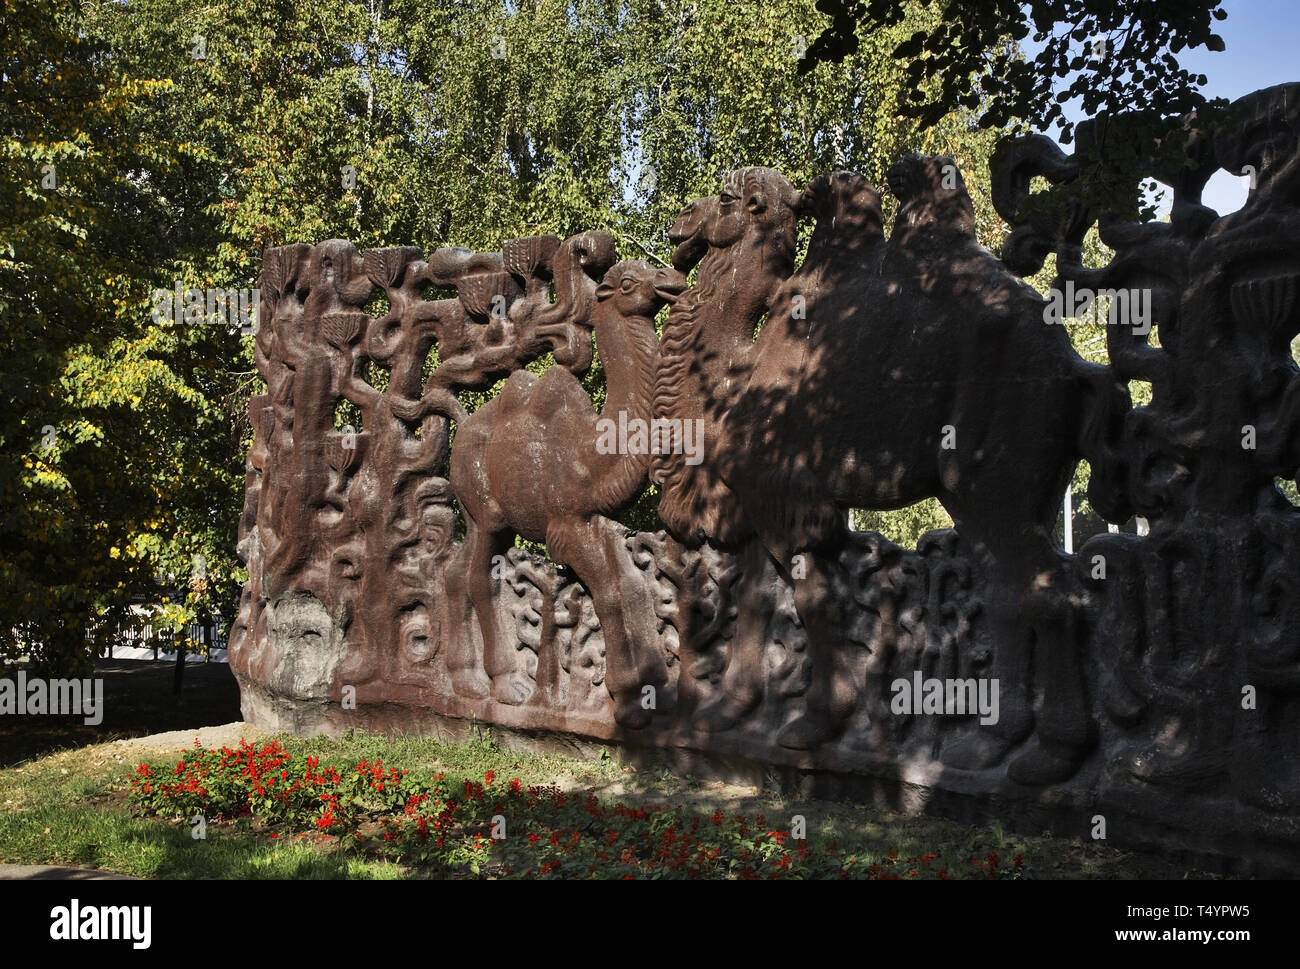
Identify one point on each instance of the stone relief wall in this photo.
(1154, 676)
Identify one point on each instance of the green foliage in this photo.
(905, 526)
(96, 454)
(971, 50)
(1111, 57)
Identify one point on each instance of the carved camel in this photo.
(527, 463)
(887, 372)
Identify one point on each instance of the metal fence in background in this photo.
(162, 641)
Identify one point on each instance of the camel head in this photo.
(844, 195)
(931, 192)
(756, 204)
(637, 289)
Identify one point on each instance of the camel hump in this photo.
(554, 391)
(518, 391)
(847, 210)
(933, 195)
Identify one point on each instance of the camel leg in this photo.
(595, 551)
(742, 679)
(986, 744)
(642, 658)
(500, 652)
(1065, 731)
(1036, 625)
(804, 532)
(831, 696)
(690, 648)
(470, 571)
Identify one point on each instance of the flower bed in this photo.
(469, 827)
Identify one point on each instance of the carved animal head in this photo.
(1261, 131)
(932, 193)
(638, 289)
(757, 204)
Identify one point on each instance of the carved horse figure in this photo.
(888, 372)
(527, 463)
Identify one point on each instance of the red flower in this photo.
(488, 777)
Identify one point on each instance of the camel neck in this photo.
(628, 350)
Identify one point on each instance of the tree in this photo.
(1118, 55)
(85, 457)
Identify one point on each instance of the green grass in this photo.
(70, 808)
(473, 757)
